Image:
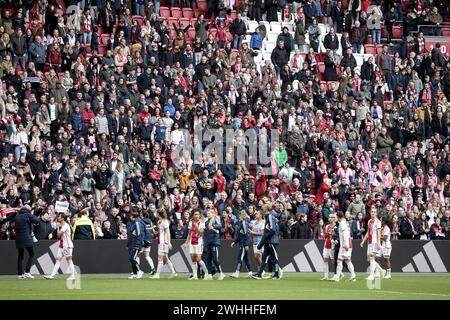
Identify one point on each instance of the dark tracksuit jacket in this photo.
(212, 241)
(242, 238)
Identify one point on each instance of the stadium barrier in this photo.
(111, 256)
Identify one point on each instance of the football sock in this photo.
(71, 268)
(56, 268)
(138, 260)
(372, 267)
(169, 263)
(160, 266)
(150, 262)
(203, 266)
(326, 269)
(339, 269)
(194, 269)
(351, 268)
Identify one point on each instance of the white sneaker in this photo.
(352, 279)
(234, 275)
(249, 274)
(28, 275)
(208, 277)
(280, 272)
(193, 278)
(324, 278)
(21, 277)
(221, 276)
(337, 279)
(132, 277)
(388, 276)
(383, 273)
(172, 275)
(370, 277)
(333, 278)
(139, 275)
(71, 278)
(49, 277)
(155, 276)
(342, 276)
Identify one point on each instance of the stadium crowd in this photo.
(95, 99)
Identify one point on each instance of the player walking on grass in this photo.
(147, 243)
(164, 245)
(269, 241)
(136, 235)
(212, 239)
(257, 231)
(373, 237)
(386, 246)
(345, 249)
(195, 240)
(243, 239)
(328, 248)
(65, 249)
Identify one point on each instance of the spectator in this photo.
(238, 30)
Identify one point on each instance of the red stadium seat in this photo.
(213, 31)
(370, 48)
(397, 32)
(164, 12)
(139, 19)
(321, 68)
(384, 32)
(369, 39)
(378, 48)
(193, 21)
(104, 39)
(445, 32)
(102, 49)
(176, 13)
(202, 6)
(172, 21)
(188, 13)
(184, 22)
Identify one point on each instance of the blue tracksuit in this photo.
(136, 235)
(270, 241)
(147, 242)
(212, 241)
(243, 239)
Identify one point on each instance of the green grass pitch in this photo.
(300, 286)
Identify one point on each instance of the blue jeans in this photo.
(376, 36)
(237, 42)
(197, 57)
(139, 9)
(157, 5)
(356, 47)
(87, 36)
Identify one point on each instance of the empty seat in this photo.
(202, 6)
(272, 36)
(191, 33)
(172, 21)
(275, 26)
(104, 39)
(370, 48)
(164, 12)
(176, 12)
(269, 46)
(397, 32)
(445, 32)
(289, 25)
(252, 25)
(378, 48)
(184, 22)
(321, 67)
(188, 13)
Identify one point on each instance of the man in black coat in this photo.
(279, 57)
(44, 230)
(330, 41)
(409, 228)
(24, 240)
(238, 30)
